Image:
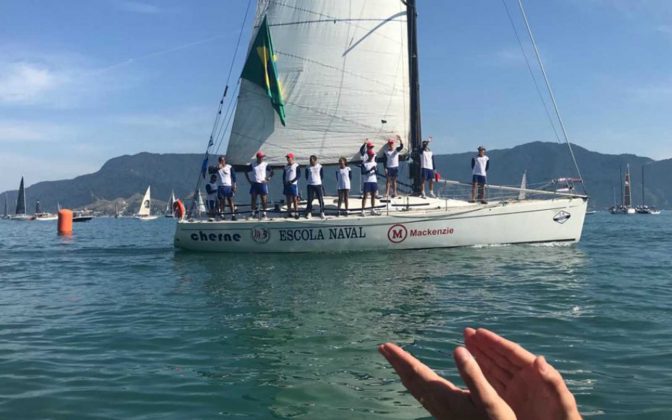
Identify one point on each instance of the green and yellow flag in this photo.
(260, 69)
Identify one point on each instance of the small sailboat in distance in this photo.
(20, 212)
(643, 208)
(626, 206)
(145, 211)
(169, 207)
(43, 216)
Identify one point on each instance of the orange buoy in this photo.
(178, 209)
(65, 222)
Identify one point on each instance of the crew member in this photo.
(314, 174)
(479, 170)
(290, 180)
(343, 181)
(259, 184)
(392, 166)
(226, 181)
(369, 179)
(427, 167)
(212, 190)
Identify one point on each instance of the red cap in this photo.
(369, 143)
(390, 141)
(290, 155)
(370, 152)
(260, 154)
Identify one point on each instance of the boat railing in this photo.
(463, 191)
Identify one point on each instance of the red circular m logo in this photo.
(397, 233)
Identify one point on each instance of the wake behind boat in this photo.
(321, 98)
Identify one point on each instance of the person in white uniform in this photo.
(290, 182)
(427, 167)
(343, 181)
(369, 179)
(226, 186)
(261, 174)
(479, 170)
(314, 175)
(392, 166)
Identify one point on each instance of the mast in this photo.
(414, 79)
(628, 192)
(643, 202)
(620, 175)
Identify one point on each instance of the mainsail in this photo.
(343, 74)
(21, 200)
(146, 204)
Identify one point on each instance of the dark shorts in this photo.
(370, 187)
(259, 188)
(392, 172)
(224, 192)
(291, 190)
(212, 204)
(478, 179)
(427, 174)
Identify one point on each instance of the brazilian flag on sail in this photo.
(260, 68)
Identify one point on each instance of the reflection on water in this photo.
(309, 324)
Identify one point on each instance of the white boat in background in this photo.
(42, 216)
(326, 67)
(643, 208)
(145, 211)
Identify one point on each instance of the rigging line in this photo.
(529, 68)
(550, 92)
(228, 77)
(222, 130)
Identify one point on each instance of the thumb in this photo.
(483, 394)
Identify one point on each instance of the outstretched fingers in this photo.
(557, 386)
(508, 354)
(483, 394)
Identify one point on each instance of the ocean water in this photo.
(115, 323)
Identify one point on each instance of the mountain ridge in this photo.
(124, 176)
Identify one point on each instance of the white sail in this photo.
(201, 204)
(523, 187)
(145, 204)
(343, 70)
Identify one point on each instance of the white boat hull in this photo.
(145, 218)
(455, 225)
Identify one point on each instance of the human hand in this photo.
(441, 397)
(528, 384)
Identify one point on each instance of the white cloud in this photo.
(138, 7)
(24, 83)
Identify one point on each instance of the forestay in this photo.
(343, 70)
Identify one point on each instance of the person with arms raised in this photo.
(392, 166)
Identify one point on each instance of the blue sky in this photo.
(84, 81)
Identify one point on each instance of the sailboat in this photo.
(643, 208)
(43, 216)
(145, 211)
(626, 206)
(20, 212)
(201, 205)
(5, 214)
(320, 78)
(169, 207)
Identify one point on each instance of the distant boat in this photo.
(116, 210)
(145, 211)
(626, 206)
(201, 204)
(590, 212)
(643, 208)
(43, 216)
(20, 212)
(523, 187)
(82, 216)
(5, 215)
(169, 208)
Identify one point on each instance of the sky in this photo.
(82, 81)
